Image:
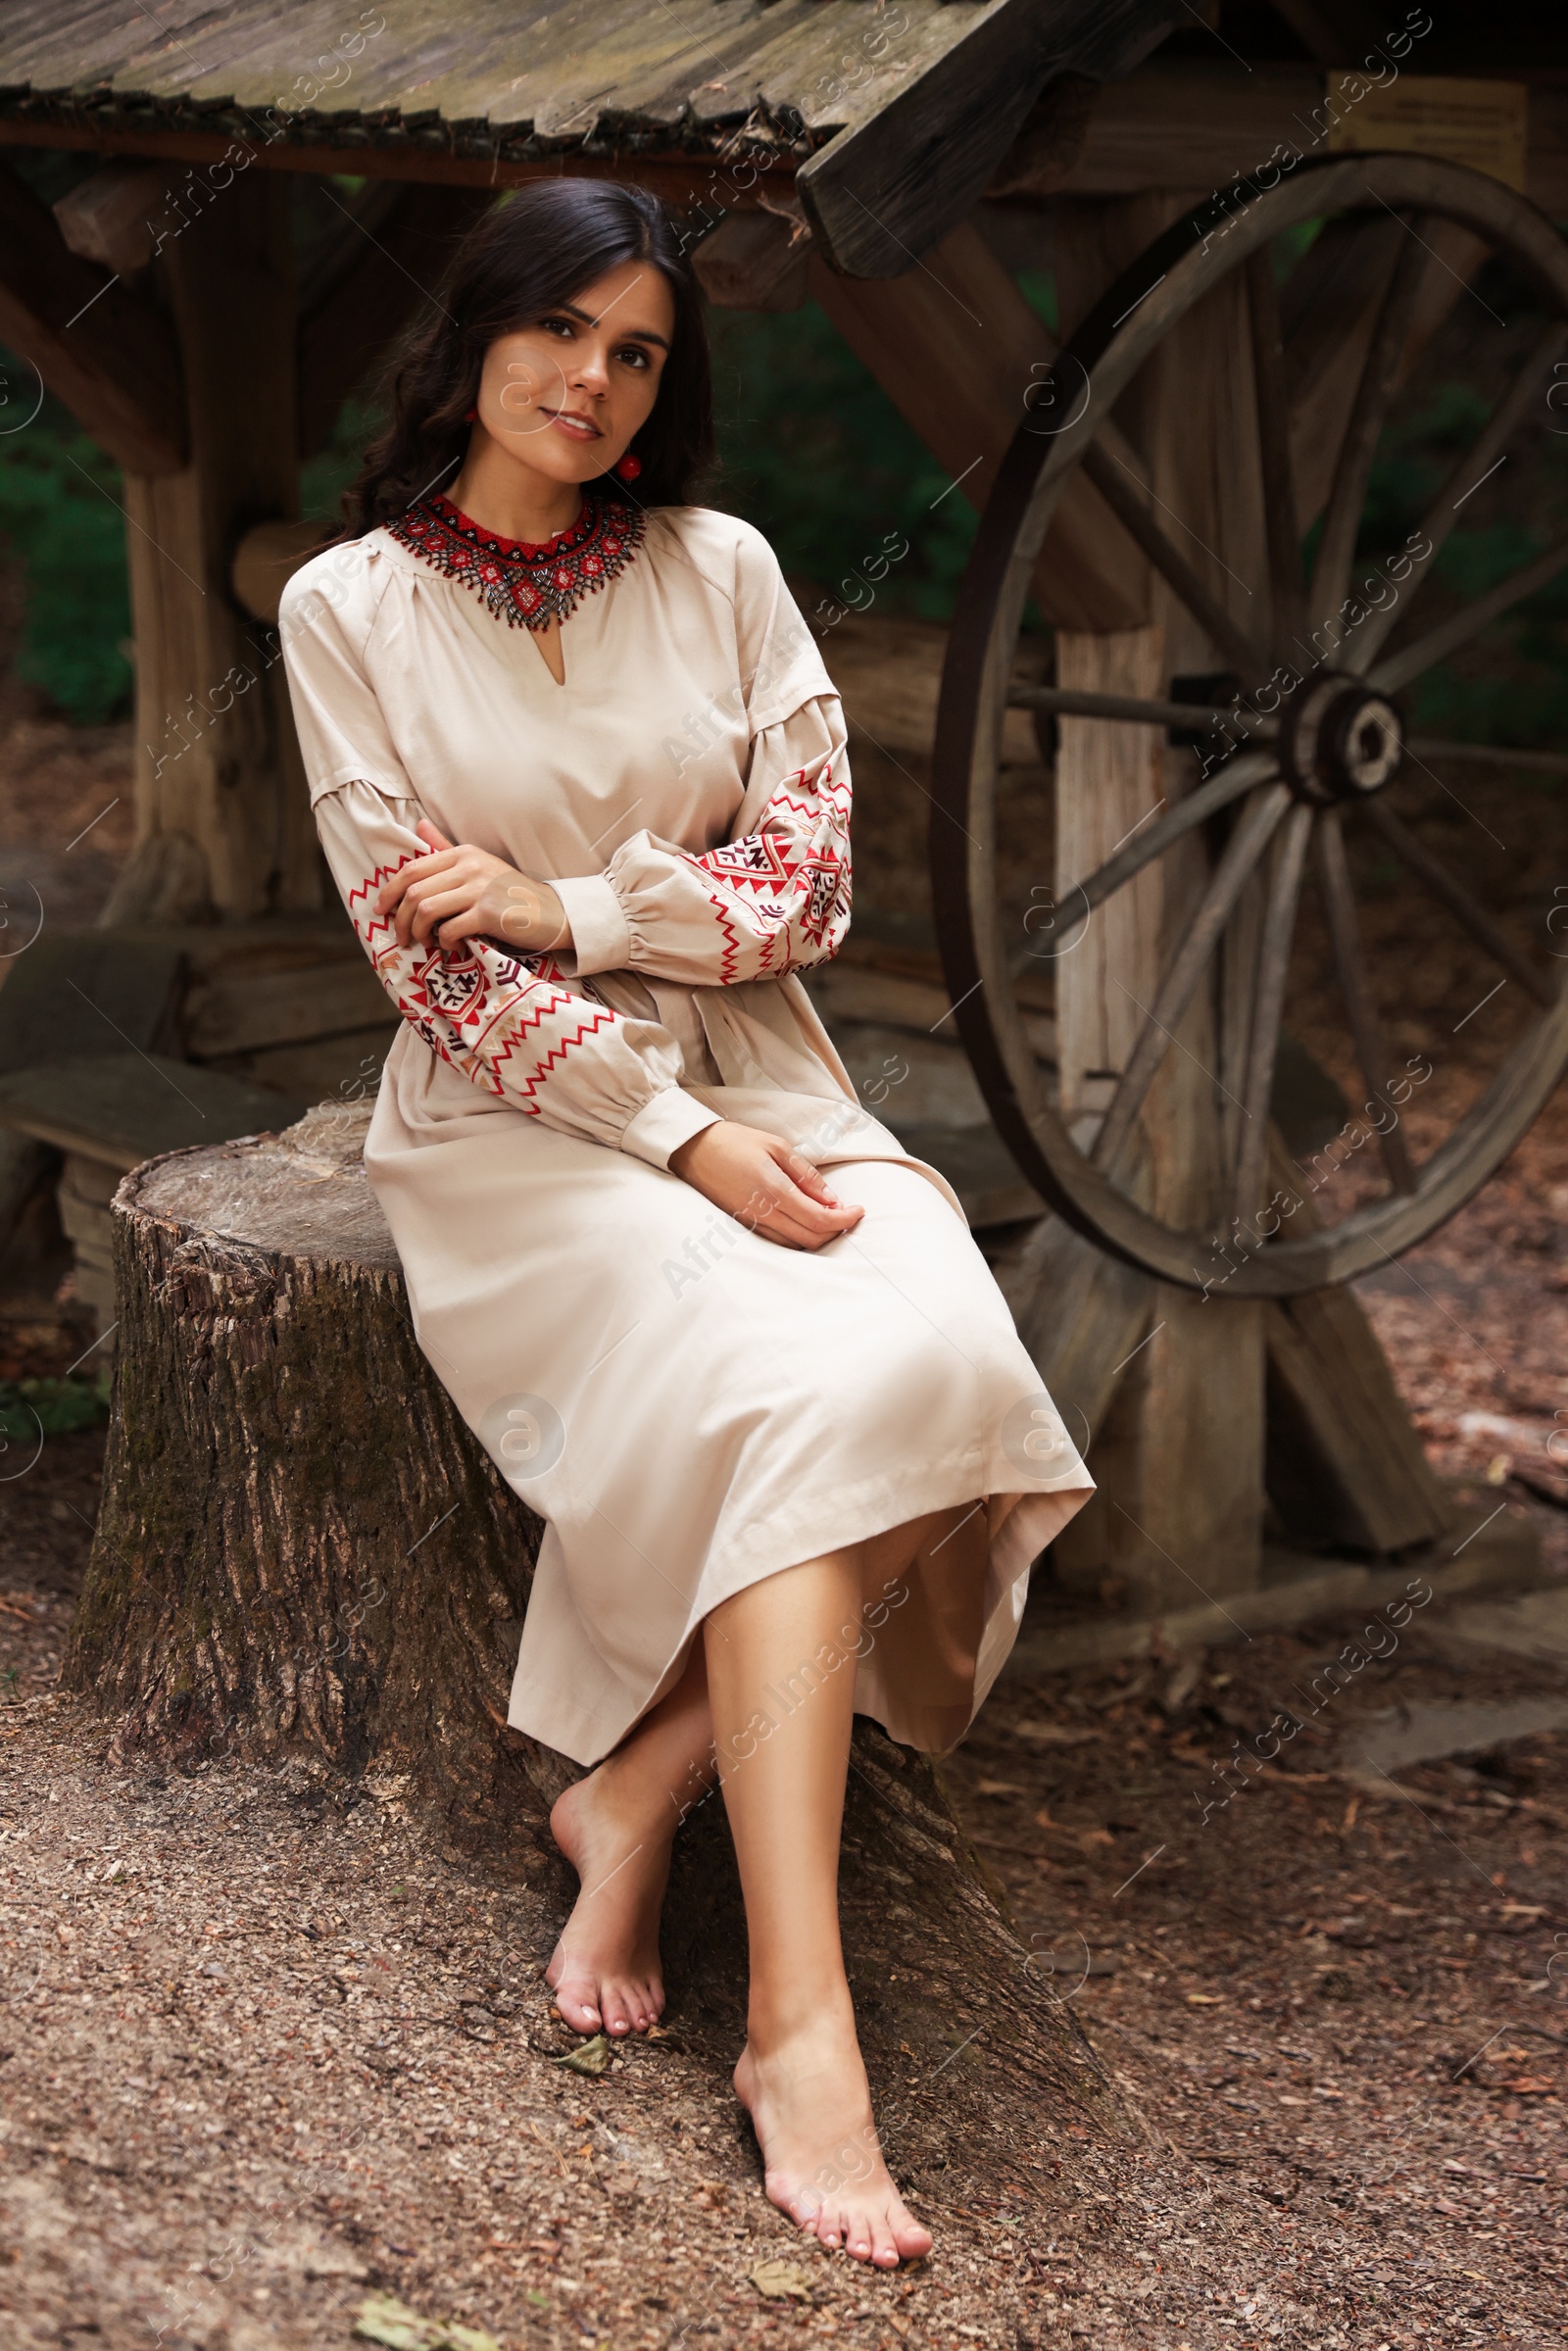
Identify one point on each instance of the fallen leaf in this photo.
(1206, 2000)
(780, 2277)
(1000, 1788)
(1530, 2086)
(384, 2319)
(1053, 1734)
(590, 2058)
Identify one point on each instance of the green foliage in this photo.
(59, 514)
(56, 1407)
(1510, 685)
(814, 453)
(324, 477)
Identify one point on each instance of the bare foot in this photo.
(810, 2108)
(605, 1970)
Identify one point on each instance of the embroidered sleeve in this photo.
(771, 899)
(514, 1025)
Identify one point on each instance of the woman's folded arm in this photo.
(514, 1025)
(771, 899)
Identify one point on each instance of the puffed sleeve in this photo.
(774, 895)
(515, 1025)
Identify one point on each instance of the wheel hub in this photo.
(1342, 741)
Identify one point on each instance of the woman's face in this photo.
(564, 397)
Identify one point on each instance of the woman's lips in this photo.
(576, 428)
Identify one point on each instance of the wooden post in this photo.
(219, 829)
(1180, 1453)
(956, 346)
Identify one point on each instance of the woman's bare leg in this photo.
(615, 1827)
(782, 1718)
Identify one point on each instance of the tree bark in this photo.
(302, 1550)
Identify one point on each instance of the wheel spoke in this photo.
(1252, 767)
(1488, 754)
(1353, 469)
(1355, 987)
(1287, 582)
(1119, 486)
(1137, 710)
(1262, 1044)
(1246, 846)
(1467, 476)
(1438, 643)
(1413, 852)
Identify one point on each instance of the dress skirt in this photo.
(691, 1407)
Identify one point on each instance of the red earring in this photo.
(472, 417)
(629, 466)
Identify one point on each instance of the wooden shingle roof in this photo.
(888, 116)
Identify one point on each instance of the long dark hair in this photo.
(541, 247)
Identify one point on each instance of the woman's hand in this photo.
(459, 893)
(764, 1184)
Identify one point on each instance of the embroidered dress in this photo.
(689, 1406)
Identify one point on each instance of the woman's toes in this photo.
(578, 2007)
(912, 2241)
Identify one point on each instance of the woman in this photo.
(580, 775)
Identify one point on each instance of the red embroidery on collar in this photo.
(526, 586)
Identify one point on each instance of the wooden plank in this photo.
(107, 354)
(1108, 782)
(1185, 123)
(1299, 1590)
(234, 1012)
(88, 992)
(122, 1108)
(841, 991)
(952, 344)
(345, 1068)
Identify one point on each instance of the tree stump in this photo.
(304, 1551)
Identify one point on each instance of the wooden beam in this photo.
(222, 822)
(1345, 1463)
(955, 346)
(754, 262)
(380, 280)
(681, 180)
(883, 191)
(108, 355)
(112, 217)
(1180, 122)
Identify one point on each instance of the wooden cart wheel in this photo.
(1310, 746)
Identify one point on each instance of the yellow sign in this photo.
(1483, 123)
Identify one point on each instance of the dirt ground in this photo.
(267, 2050)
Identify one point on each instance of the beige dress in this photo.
(689, 1406)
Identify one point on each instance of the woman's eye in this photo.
(635, 356)
(558, 327)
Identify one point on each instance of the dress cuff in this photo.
(661, 1126)
(601, 934)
